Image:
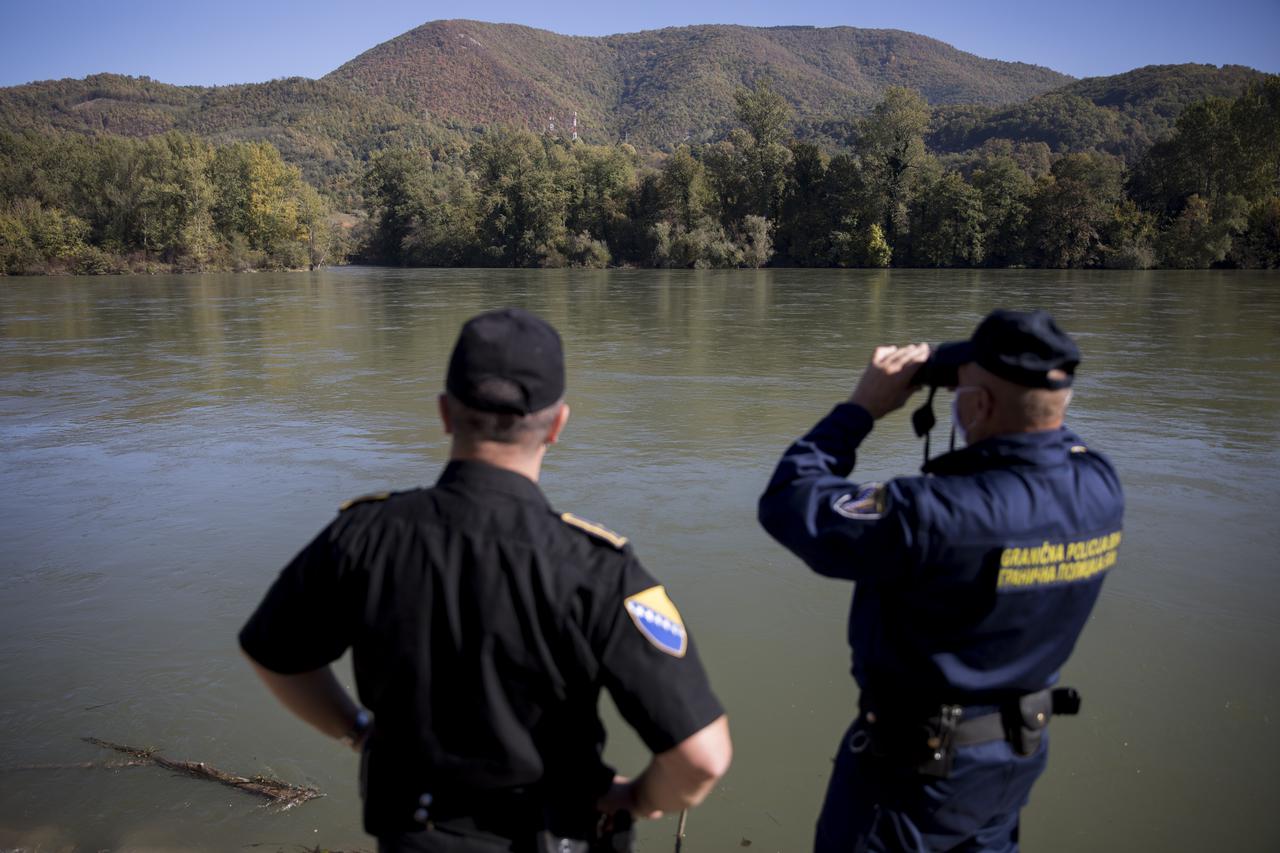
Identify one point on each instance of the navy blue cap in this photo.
(507, 361)
(1024, 347)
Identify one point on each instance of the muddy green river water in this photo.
(167, 443)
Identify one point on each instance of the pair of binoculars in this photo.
(936, 374)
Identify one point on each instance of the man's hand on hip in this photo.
(622, 796)
(886, 383)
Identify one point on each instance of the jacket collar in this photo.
(1047, 447)
(473, 474)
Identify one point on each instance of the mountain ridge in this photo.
(660, 86)
(660, 90)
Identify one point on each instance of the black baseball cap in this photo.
(509, 361)
(1024, 347)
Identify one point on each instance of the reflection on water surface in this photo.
(169, 442)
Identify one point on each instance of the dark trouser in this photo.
(444, 841)
(463, 836)
(878, 804)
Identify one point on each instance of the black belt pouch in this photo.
(1026, 721)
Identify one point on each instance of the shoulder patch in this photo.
(594, 529)
(866, 504)
(656, 618)
(375, 496)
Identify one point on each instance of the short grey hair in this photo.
(501, 427)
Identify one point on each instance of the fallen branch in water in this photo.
(282, 795)
(304, 848)
(81, 765)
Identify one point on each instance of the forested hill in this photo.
(652, 88)
(324, 128)
(435, 86)
(658, 87)
(1123, 114)
(121, 174)
(117, 173)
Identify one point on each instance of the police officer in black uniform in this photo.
(483, 625)
(973, 582)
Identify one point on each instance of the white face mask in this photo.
(955, 421)
(961, 429)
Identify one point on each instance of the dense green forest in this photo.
(1122, 114)
(1209, 194)
(105, 204)
(324, 129)
(330, 132)
(700, 146)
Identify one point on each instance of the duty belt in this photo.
(516, 818)
(930, 741)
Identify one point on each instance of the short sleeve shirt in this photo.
(483, 625)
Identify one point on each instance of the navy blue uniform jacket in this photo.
(974, 580)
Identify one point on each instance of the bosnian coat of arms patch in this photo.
(656, 617)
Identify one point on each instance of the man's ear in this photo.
(986, 404)
(557, 424)
(442, 402)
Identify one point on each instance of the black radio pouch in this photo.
(1066, 701)
(940, 748)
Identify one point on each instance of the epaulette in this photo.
(375, 496)
(1079, 448)
(594, 529)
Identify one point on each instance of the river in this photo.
(169, 442)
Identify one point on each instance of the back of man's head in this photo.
(506, 378)
(528, 432)
(1024, 362)
(1018, 408)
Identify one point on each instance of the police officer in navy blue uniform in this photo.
(484, 625)
(972, 584)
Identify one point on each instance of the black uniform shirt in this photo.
(483, 625)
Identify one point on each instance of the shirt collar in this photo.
(474, 474)
(1046, 447)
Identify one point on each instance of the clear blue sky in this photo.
(235, 41)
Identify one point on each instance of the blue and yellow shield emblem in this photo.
(658, 620)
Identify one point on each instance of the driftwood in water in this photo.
(80, 765)
(281, 795)
(302, 848)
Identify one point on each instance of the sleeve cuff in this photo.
(852, 420)
(700, 713)
(279, 661)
